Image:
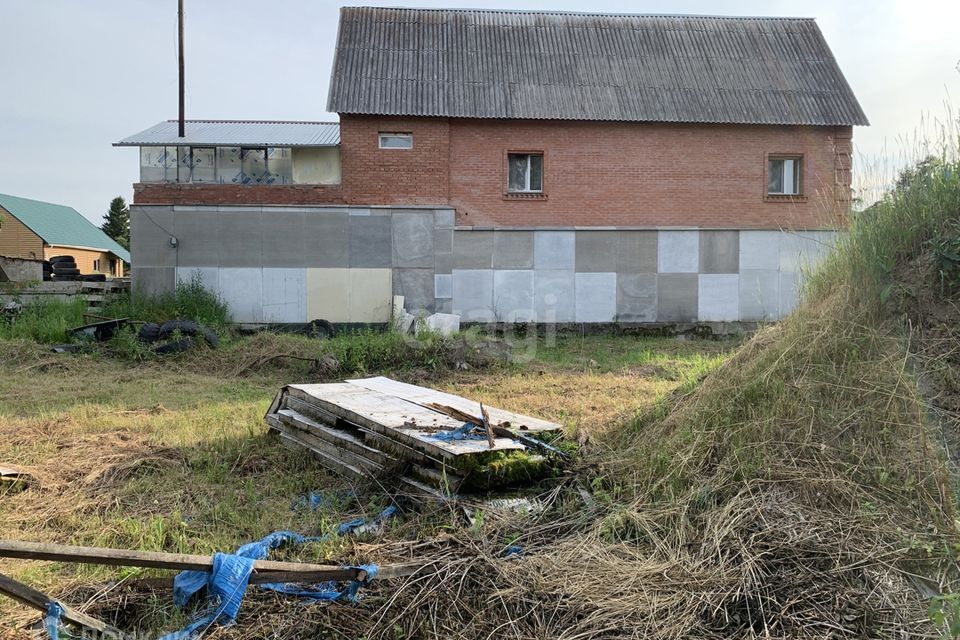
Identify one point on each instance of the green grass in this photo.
(45, 322)
(190, 300)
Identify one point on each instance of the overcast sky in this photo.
(78, 75)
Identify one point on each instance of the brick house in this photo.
(36, 230)
(518, 166)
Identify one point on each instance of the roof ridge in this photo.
(598, 14)
(215, 121)
(55, 204)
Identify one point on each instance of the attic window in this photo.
(784, 175)
(396, 140)
(525, 172)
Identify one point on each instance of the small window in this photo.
(783, 176)
(96, 265)
(525, 172)
(396, 140)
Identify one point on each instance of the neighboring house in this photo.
(518, 166)
(40, 230)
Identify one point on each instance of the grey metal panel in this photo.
(476, 63)
(237, 133)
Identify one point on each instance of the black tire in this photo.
(177, 346)
(149, 333)
(185, 327)
(63, 277)
(320, 328)
(56, 259)
(58, 266)
(66, 272)
(94, 277)
(47, 277)
(212, 338)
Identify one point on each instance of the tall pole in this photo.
(182, 130)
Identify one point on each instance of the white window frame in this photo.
(397, 135)
(792, 179)
(526, 177)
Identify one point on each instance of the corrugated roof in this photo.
(238, 133)
(60, 225)
(577, 66)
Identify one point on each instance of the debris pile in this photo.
(421, 440)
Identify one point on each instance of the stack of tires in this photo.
(47, 271)
(64, 268)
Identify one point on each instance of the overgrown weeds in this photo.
(44, 321)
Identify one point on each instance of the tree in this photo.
(116, 222)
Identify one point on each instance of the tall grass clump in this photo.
(44, 321)
(190, 300)
(799, 490)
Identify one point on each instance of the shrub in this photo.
(191, 300)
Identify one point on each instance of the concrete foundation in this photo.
(344, 264)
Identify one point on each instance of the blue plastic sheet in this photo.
(512, 550)
(52, 621)
(227, 583)
(464, 432)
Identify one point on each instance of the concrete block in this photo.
(444, 217)
(404, 323)
(473, 294)
(472, 249)
(445, 324)
(443, 240)
(413, 238)
(553, 295)
(677, 297)
(759, 250)
(512, 249)
(209, 277)
(370, 295)
(416, 286)
(719, 251)
(327, 294)
(240, 234)
(596, 251)
(636, 297)
(513, 295)
(283, 243)
(719, 297)
(443, 263)
(326, 239)
(637, 251)
(596, 297)
(150, 229)
(790, 286)
(284, 295)
(242, 290)
(443, 286)
(152, 281)
(371, 238)
(759, 294)
(198, 235)
(20, 269)
(554, 250)
(678, 251)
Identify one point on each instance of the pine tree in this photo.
(116, 222)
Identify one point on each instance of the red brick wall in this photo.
(394, 176)
(595, 173)
(633, 174)
(303, 194)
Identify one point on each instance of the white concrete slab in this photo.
(284, 295)
(473, 294)
(759, 295)
(759, 250)
(553, 295)
(242, 289)
(513, 295)
(678, 251)
(596, 297)
(719, 297)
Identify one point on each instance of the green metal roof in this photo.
(60, 225)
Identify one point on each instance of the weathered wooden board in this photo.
(423, 396)
(396, 418)
(334, 436)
